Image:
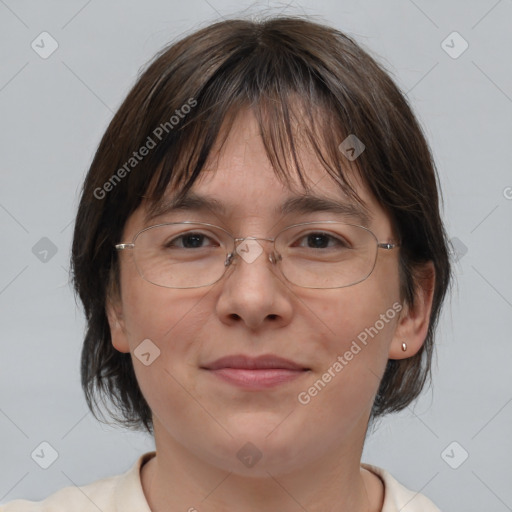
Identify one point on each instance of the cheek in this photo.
(361, 321)
(172, 321)
(354, 312)
(358, 325)
(156, 312)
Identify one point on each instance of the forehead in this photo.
(238, 180)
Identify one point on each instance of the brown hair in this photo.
(288, 70)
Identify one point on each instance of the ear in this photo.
(414, 319)
(117, 327)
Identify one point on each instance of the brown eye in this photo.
(191, 240)
(322, 240)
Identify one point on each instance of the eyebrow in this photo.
(293, 205)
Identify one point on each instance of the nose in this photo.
(253, 292)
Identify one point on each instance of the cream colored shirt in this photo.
(123, 493)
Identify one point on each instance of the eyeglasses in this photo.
(320, 254)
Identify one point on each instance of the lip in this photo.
(264, 362)
(261, 372)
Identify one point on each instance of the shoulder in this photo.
(399, 498)
(120, 492)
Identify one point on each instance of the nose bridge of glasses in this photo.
(252, 238)
(249, 249)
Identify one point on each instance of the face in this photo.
(254, 311)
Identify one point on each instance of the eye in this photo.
(321, 240)
(190, 240)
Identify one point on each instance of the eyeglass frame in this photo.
(272, 256)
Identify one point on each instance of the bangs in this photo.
(295, 112)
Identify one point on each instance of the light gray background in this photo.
(53, 112)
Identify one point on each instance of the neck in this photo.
(178, 480)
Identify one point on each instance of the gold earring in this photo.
(404, 346)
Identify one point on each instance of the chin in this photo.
(262, 448)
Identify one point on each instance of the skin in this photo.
(310, 453)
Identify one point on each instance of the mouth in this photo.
(255, 372)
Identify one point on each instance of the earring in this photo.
(404, 346)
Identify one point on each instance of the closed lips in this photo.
(244, 362)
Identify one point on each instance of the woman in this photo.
(262, 263)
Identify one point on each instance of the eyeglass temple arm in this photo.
(119, 247)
